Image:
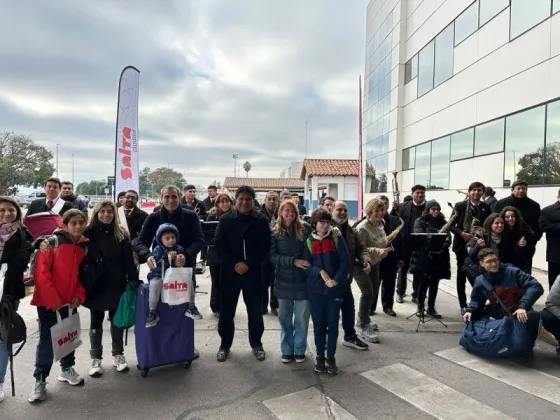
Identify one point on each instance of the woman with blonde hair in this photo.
(222, 205)
(290, 286)
(113, 244)
(372, 234)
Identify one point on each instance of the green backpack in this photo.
(125, 317)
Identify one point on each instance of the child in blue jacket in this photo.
(326, 285)
(165, 253)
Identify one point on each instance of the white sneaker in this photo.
(369, 334)
(120, 363)
(374, 326)
(2, 395)
(96, 370)
(71, 376)
(39, 392)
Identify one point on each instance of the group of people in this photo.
(271, 255)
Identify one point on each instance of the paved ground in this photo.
(409, 375)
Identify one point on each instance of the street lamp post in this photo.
(235, 157)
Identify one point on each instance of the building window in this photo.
(555, 6)
(490, 8)
(527, 14)
(444, 56)
(439, 169)
(489, 138)
(462, 144)
(411, 69)
(524, 148)
(426, 69)
(422, 165)
(467, 23)
(552, 156)
(408, 157)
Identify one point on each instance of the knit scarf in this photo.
(6, 232)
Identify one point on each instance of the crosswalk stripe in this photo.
(532, 381)
(429, 395)
(310, 404)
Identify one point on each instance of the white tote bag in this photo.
(3, 269)
(66, 335)
(177, 286)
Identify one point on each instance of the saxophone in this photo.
(454, 215)
(391, 237)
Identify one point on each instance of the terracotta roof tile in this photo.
(333, 167)
(268, 184)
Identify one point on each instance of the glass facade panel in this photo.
(489, 138)
(552, 162)
(526, 14)
(426, 69)
(524, 150)
(444, 56)
(490, 8)
(462, 144)
(409, 155)
(466, 23)
(439, 173)
(555, 6)
(422, 166)
(411, 69)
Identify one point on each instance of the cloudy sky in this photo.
(217, 77)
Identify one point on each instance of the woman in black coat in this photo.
(113, 243)
(223, 204)
(432, 266)
(15, 251)
(519, 234)
(290, 284)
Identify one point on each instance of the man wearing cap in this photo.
(530, 211)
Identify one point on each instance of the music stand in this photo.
(428, 243)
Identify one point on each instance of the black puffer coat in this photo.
(435, 265)
(290, 281)
(119, 267)
(17, 252)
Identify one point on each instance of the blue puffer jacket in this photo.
(161, 252)
(516, 289)
(329, 254)
(290, 281)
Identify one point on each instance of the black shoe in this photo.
(222, 355)
(320, 365)
(355, 343)
(287, 358)
(558, 349)
(420, 312)
(414, 300)
(264, 311)
(300, 358)
(433, 313)
(332, 368)
(274, 311)
(371, 312)
(389, 312)
(259, 353)
(400, 299)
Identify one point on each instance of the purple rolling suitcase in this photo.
(171, 341)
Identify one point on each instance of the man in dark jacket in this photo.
(67, 194)
(242, 243)
(530, 211)
(186, 221)
(518, 291)
(470, 212)
(51, 201)
(359, 260)
(209, 201)
(135, 217)
(490, 198)
(190, 201)
(389, 265)
(270, 211)
(549, 223)
(409, 211)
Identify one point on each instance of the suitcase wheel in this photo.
(144, 373)
(188, 364)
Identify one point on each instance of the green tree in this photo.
(379, 183)
(161, 177)
(539, 168)
(22, 162)
(91, 187)
(247, 168)
(145, 183)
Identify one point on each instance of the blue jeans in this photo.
(293, 316)
(45, 356)
(325, 312)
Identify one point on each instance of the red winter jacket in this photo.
(57, 273)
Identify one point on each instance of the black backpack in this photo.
(12, 331)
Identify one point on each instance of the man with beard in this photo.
(67, 194)
(135, 217)
(242, 243)
(530, 211)
(269, 210)
(209, 201)
(359, 260)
